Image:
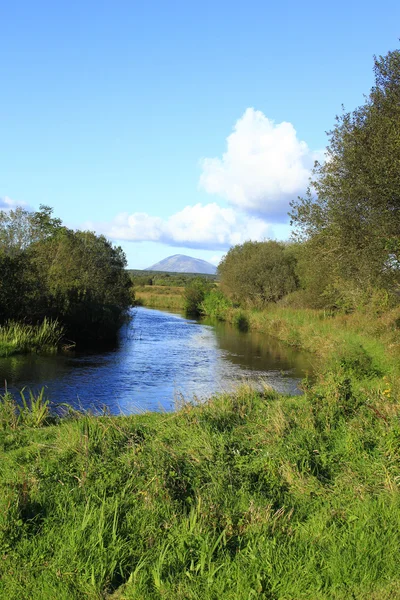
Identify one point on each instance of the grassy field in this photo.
(248, 496)
(158, 296)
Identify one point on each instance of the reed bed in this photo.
(153, 296)
(17, 338)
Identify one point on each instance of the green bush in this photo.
(256, 273)
(49, 271)
(215, 304)
(195, 292)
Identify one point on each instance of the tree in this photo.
(255, 273)
(47, 270)
(195, 292)
(86, 283)
(351, 213)
(20, 228)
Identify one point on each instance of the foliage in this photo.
(20, 228)
(87, 285)
(351, 214)
(240, 320)
(255, 273)
(47, 270)
(195, 292)
(215, 304)
(232, 498)
(17, 338)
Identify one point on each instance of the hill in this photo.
(179, 263)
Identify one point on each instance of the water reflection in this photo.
(258, 352)
(159, 356)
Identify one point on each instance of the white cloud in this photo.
(216, 259)
(264, 167)
(7, 204)
(200, 226)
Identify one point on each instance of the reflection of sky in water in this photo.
(160, 357)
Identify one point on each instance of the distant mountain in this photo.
(179, 263)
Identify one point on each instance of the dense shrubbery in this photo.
(49, 271)
(256, 273)
(350, 221)
(215, 304)
(347, 254)
(195, 292)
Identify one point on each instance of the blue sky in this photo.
(177, 127)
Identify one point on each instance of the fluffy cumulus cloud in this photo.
(200, 226)
(264, 167)
(8, 204)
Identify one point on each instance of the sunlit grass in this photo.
(16, 338)
(158, 296)
(250, 495)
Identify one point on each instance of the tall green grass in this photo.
(17, 338)
(32, 410)
(157, 296)
(249, 495)
(366, 343)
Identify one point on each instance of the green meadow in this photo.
(249, 495)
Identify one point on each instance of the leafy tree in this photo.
(20, 228)
(195, 292)
(47, 270)
(86, 283)
(256, 273)
(351, 213)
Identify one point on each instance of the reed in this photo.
(30, 410)
(18, 338)
(152, 296)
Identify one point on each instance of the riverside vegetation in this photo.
(249, 495)
(56, 282)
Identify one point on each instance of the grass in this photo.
(365, 343)
(158, 296)
(21, 338)
(250, 495)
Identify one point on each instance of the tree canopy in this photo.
(351, 213)
(256, 273)
(48, 270)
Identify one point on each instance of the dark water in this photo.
(160, 357)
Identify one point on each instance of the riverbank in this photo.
(365, 343)
(248, 495)
(157, 296)
(21, 338)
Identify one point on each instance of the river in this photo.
(160, 358)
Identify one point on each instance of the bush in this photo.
(195, 292)
(215, 304)
(47, 270)
(256, 273)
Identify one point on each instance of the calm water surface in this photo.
(159, 358)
